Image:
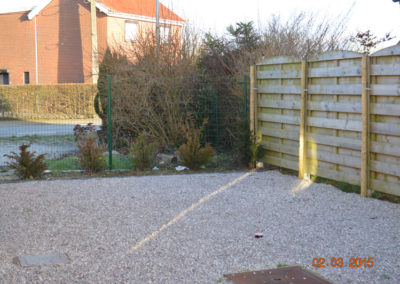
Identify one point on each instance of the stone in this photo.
(114, 153)
(181, 168)
(42, 259)
(165, 159)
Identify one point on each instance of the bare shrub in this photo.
(82, 132)
(91, 156)
(301, 36)
(367, 41)
(150, 93)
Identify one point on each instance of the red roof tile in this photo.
(140, 7)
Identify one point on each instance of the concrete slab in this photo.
(42, 259)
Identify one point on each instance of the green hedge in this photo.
(62, 101)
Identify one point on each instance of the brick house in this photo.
(49, 41)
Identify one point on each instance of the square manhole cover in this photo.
(41, 259)
(285, 275)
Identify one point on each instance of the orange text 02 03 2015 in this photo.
(352, 262)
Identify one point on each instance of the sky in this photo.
(379, 16)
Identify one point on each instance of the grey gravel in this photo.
(96, 221)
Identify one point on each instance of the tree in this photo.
(245, 36)
(367, 40)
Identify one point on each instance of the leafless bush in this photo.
(152, 93)
(367, 41)
(302, 36)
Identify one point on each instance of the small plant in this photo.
(385, 276)
(191, 153)
(248, 150)
(257, 150)
(280, 265)
(26, 164)
(91, 156)
(144, 152)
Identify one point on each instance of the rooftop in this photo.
(144, 8)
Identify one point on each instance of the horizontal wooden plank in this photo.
(385, 186)
(341, 124)
(353, 144)
(279, 118)
(281, 148)
(335, 141)
(285, 134)
(385, 90)
(279, 60)
(279, 104)
(385, 109)
(385, 148)
(334, 107)
(344, 160)
(385, 168)
(344, 89)
(381, 109)
(385, 69)
(341, 71)
(279, 74)
(288, 164)
(335, 175)
(336, 55)
(385, 128)
(279, 89)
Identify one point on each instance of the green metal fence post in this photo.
(245, 110)
(245, 95)
(217, 121)
(109, 122)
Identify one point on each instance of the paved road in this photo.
(23, 128)
(53, 146)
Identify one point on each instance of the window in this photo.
(131, 31)
(164, 33)
(4, 77)
(26, 77)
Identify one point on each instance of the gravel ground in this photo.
(97, 221)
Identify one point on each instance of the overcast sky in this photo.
(380, 16)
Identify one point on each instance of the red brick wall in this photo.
(64, 43)
(17, 46)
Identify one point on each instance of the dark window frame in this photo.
(26, 78)
(5, 77)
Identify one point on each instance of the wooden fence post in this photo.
(365, 125)
(303, 169)
(253, 94)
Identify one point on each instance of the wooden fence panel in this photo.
(385, 165)
(313, 115)
(335, 83)
(278, 109)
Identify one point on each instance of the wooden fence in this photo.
(336, 116)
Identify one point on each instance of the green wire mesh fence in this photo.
(47, 118)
